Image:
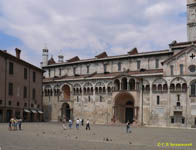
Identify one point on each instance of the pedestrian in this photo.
(70, 123)
(10, 125)
(128, 127)
(64, 124)
(15, 124)
(80, 121)
(88, 125)
(20, 124)
(77, 123)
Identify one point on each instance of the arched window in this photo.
(184, 87)
(88, 88)
(116, 85)
(172, 87)
(178, 87)
(147, 88)
(132, 84)
(154, 87)
(159, 87)
(124, 84)
(165, 88)
(110, 87)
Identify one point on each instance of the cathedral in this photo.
(156, 88)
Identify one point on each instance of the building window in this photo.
(25, 73)
(34, 76)
(172, 70)
(119, 66)
(78, 99)
(1, 102)
(25, 104)
(193, 89)
(101, 99)
(181, 69)
(18, 103)
(89, 99)
(37, 106)
(138, 64)
(49, 73)
(74, 70)
(158, 100)
(157, 63)
(11, 68)
(59, 71)
(10, 89)
(172, 119)
(105, 67)
(87, 69)
(33, 94)
(32, 105)
(25, 92)
(10, 103)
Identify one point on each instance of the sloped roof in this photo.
(51, 61)
(133, 51)
(76, 58)
(102, 55)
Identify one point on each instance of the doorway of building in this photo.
(129, 112)
(124, 108)
(9, 115)
(66, 112)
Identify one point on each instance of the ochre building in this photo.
(20, 88)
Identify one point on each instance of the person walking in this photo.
(70, 123)
(20, 124)
(82, 122)
(128, 127)
(88, 125)
(77, 123)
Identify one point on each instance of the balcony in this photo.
(178, 108)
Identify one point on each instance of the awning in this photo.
(26, 110)
(41, 112)
(34, 111)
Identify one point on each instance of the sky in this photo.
(86, 28)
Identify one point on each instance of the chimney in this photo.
(60, 60)
(18, 51)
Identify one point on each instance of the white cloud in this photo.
(86, 27)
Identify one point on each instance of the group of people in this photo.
(15, 124)
(79, 122)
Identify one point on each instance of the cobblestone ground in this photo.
(51, 136)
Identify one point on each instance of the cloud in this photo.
(86, 27)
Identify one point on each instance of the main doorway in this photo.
(66, 112)
(124, 108)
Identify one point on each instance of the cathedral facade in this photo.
(155, 88)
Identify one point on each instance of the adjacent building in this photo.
(20, 88)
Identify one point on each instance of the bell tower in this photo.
(191, 20)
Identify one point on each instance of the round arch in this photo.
(124, 107)
(66, 91)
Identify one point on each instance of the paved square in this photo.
(51, 136)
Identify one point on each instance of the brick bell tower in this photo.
(191, 20)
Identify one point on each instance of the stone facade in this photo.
(21, 95)
(152, 88)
